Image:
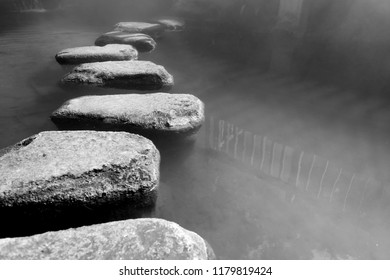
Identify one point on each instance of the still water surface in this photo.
(278, 197)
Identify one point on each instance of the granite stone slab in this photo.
(68, 169)
(111, 52)
(152, 29)
(139, 239)
(142, 42)
(171, 24)
(143, 75)
(145, 114)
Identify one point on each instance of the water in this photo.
(284, 168)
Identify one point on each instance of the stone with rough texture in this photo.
(142, 42)
(65, 169)
(156, 113)
(171, 24)
(111, 52)
(152, 29)
(139, 239)
(134, 74)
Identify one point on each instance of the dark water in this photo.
(284, 168)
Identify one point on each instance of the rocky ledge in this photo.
(143, 75)
(111, 52)
(145, 114)
(142, 42)
(68, 169)
(139, 239)
(152, 29)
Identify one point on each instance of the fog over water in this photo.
(293, 160)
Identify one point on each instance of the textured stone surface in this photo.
(152, 29)
(139, 239)
(142, 42)
(171, 24)
(163, 113)
(142, 75)
(111, 52)
(78, 168)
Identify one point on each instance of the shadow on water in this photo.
(25, 221)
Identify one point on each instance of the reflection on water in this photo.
(283, 168)
(254, 198)
(305, 172)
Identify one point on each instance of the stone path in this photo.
(72, 168)
(146, 114)
(60, 170)
(144, 75)
(142, 42)
(140, 239)
(111, 52)
(171, 24)
(155, 28)
(152, 29)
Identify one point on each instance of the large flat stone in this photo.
(142, 75)
(146, 114)
(171, 24)
(111, 52)
(142, 42)
(140, 239)
(67, 169)
(152, 29)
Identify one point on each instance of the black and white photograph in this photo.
(195, 130)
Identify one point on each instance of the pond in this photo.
(283, 168)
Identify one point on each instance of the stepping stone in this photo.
(139, 239)
(66, 169)
(145, 114)
(152, 29)
(143, 75)
(142, 42)
(111, 52)
(171, 24)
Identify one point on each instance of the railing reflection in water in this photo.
(304, 172)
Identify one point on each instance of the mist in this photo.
(292, 161)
